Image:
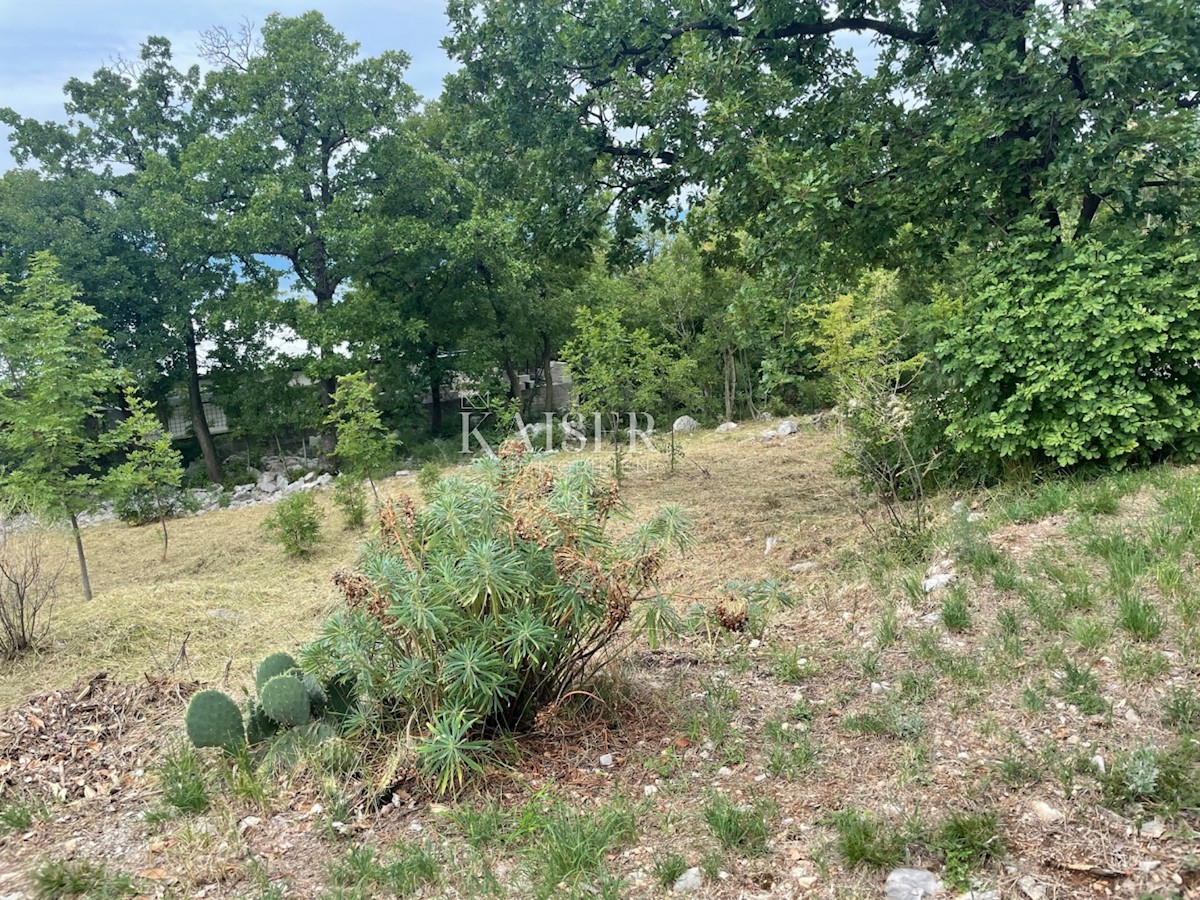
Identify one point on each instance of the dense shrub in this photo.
(1077, 351)
(472, 615)
(350, 497)
(295, 524)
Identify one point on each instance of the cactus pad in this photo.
(214, 720)
(275, 664)
(259, 726)
(285, 700)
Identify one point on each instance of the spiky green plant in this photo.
(285, 700)
(214, 720)
(486, 606)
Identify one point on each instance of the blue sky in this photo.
(42, 44)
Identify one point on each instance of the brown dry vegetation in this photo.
(888, 711)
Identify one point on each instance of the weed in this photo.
(1046, 499)
(741, 828)
(1047, 610)
(956, 612)
(182, 779)
(80, 878)
(571, 846)
(1080, 687)
(1089, 633)
(791, 666)
(1141, 664)
(17, 816)
(865, 839)
(1127, 558)
(1164, 780)
(1139, 616)
(483, 825)
(887, 719)
(363, 874)
(870, 662)
(668, 869)
(1181, 710)
(917, 688)
(887, 629)
(1009, 621)
(1018, 769)
(968, 840)
(790, 752)
(1100, 500)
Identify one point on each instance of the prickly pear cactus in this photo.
(285, 700)
(214, 720)
(275, 664)
(259, 726)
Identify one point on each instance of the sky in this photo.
(43, 43)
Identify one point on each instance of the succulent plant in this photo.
(259, 726)
(341, 695)
(285, 699)
(214, 720)
(316, 696)
(275, 664)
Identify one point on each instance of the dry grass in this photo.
(224, 587)
(889, 713)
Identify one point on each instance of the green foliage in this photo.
(618, 371)
(61, 878)
(54, 383)
(363, 445)
(667, 869)
(146, 486)
(864, 839)
(956, 611)
(285, 701)
(351, 499)
(295, 524)
(743, 828)
(1161, 779)
(182, 780)
(1072, 352)
(213, 720)
(479, 610)
(969, 841)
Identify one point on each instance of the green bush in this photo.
(351, 498)
(140, 506)
(471, 615)
(1076, 351)
(295, 524)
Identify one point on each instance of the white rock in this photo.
(938, 581)
(606, 760)
(877, 688)
(911, 884)
(650, 790)
(770, 434)
(770, 545)
(725, 427)
(799, 567)
(1152, 829)
(1031, 888)
(688, 881)
(685, 423)
(1098, 763)
(1046, 813)
(786, 427)
(724, 772)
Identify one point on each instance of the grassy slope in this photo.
(872, 725)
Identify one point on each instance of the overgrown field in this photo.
(1026, 727)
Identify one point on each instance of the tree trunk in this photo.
(435, 394)
(208, 449)
(730, 385)
(514, 380)
(83, 572)
(547, 373)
